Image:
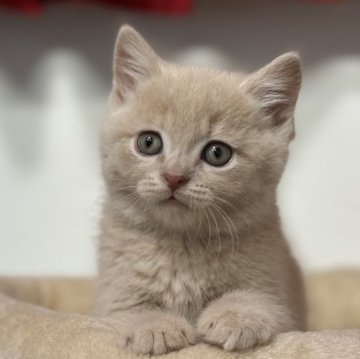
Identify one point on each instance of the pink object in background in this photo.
(173, 7)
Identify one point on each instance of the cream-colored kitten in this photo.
(191, 246)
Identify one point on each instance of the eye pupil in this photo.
(217, 151)
(148, 141)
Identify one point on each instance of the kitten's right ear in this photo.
(134, 61)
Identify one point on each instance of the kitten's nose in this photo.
(174, 181)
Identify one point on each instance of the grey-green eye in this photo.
(217, 153)
(149, 143)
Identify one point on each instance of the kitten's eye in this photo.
(149, 143)
(217, 153)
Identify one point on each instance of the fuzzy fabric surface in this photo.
(47, 326)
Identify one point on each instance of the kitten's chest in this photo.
(181, 280)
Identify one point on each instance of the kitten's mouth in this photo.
(172, 201)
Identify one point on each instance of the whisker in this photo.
(199, 223)
(209, 228)
(228, 221)
(217, 228)
(237, 210)
(125, 188)
(130, 195)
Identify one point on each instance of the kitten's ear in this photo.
(276, 87)
(134, 61)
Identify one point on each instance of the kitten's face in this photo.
(181, 145)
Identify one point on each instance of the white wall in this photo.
(55, 71)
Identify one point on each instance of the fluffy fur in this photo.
(215, 266)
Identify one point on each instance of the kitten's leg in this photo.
(242, 319)
(152, 331)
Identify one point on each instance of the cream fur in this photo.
(217, 268)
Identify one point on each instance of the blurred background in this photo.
(55, 74)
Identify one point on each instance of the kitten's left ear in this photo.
(134, 61)
(276, 88)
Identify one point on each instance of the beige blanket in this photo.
(29, 331)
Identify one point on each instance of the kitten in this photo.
(191, 246)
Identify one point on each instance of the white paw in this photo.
(162, 335)
(234, 330)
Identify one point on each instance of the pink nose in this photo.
(174, 181)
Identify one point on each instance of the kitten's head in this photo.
(182, 144)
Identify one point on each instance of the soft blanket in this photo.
(31, 331)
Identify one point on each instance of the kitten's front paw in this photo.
(159, 336)
(234, 330)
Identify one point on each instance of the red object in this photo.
(160, 6)
(173, 7)
(29, 6)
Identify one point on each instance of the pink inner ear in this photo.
(124, 78)
(276, 87)
(129, 72)
(134, 61)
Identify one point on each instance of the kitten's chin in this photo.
(173, 214)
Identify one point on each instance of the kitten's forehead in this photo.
(189, 103)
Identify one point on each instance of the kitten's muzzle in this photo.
(174, 181)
